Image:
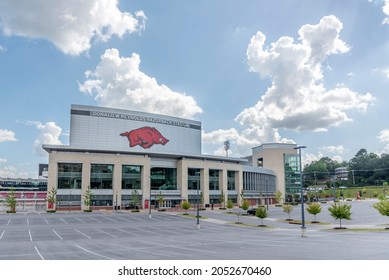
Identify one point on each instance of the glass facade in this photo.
(69, 175)
(193, 178)
(230, 180)
(213, 179)
(101, 176)
(163, 178)
(131, 177)
(292, 174)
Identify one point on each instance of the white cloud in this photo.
(384, 135)
(117, 82)
(334, 149)
(70, 25)
(3, 160)
(297, 98)
(7, 135)
(2, 49)
(49, 133)
(385, 9)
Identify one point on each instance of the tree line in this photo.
(362, 170)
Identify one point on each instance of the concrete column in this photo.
(85, 179)
(205, 184)
(145, 184)
(117, 185)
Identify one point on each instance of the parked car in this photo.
(251, 211)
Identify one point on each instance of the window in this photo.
(193, 178)
(213, 179)
(69, 175)
(231, 180)
(101, 176)
(131, 177)
(163, 178)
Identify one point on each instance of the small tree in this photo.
(135, 199)
(261, 213)
(314, 209)
(382, 207)
(287, 208)
(51, 199)
(241, 197)
(230, 204)
(11, 200)
(340, 211)
(160, 198)
(278, 196)
(185, 205)
(245, 205)
(87, 197)
(222, 199)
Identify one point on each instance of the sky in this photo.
(314, 73)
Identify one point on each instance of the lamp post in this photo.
(150, 199)
(303, 229)
(116, 201)
(267, 195)
(198, 206)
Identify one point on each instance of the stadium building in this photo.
(128, 157)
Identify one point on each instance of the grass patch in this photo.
(358, 229)
(192, 216)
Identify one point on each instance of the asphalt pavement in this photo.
(123, 235)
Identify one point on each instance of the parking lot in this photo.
(125, 235)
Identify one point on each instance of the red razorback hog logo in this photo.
(145, 137)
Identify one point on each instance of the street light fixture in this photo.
(303, 229)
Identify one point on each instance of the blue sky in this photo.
(315, 73)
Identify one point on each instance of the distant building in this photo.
(341, 173)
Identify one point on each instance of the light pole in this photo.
(116, 201)
(150, 199)
(303, 229)
(267, 195)
(197, 202)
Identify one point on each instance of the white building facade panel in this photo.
(107, 129)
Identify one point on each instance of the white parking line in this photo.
(106, 233)
(78, 219)
(141, 250)
(83, 234)
(28, 222)
(40, 255)
(94, 253)
(64, 221)
(57, 234)
(29, 232)
(2, 234)
(47, 222)
(9, 221)
(119, 229)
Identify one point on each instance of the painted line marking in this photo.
(141, 250)
(1, 236)
(47, 222)
(78, 219)
(64, 221)
(59, 236)
(127, 232)
(29, 232)
(9, 221)
(144, 230)
(40, 255)
(106, 233)
(83, 234)
(28, 222)
(93, 253)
